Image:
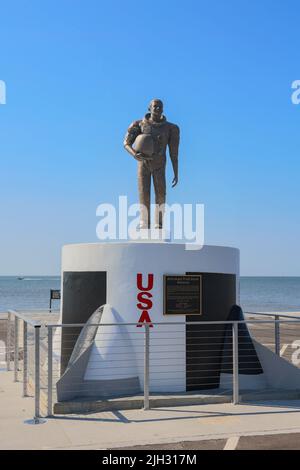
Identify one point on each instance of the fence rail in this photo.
(146, 360)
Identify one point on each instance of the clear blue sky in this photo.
(78, 72)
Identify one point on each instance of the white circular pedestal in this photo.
(118, 352)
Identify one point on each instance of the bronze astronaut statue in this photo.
(147, 141)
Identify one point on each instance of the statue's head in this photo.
(156, 108)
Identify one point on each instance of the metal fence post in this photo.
(235, 362)
(37, 374)
(16, 350)
(277, 335)
(25, 359)
(146, 366)
(8, 342)
(50, 370)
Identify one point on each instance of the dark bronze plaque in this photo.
(183, 295)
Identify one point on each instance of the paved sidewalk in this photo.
(214, 423)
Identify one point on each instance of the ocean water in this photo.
(32, 292)
(269, 294)
(257, 293)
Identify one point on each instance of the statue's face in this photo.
(156, 109)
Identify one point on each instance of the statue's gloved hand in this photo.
(175, 181)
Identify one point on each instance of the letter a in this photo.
(144, 318)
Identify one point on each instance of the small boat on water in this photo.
(21, 278)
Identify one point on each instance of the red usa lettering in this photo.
(144, 298)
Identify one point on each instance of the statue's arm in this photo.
(174, 140)
(133, 131)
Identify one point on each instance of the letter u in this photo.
(140, 282)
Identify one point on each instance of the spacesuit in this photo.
(164, 134)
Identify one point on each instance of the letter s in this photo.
(146, 303)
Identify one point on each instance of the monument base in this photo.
(129, 279)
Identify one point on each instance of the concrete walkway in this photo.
(222, 423)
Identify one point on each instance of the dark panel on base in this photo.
(204, 343)
(83, 293)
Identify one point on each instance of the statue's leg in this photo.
(159, 181)
(144, 185)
